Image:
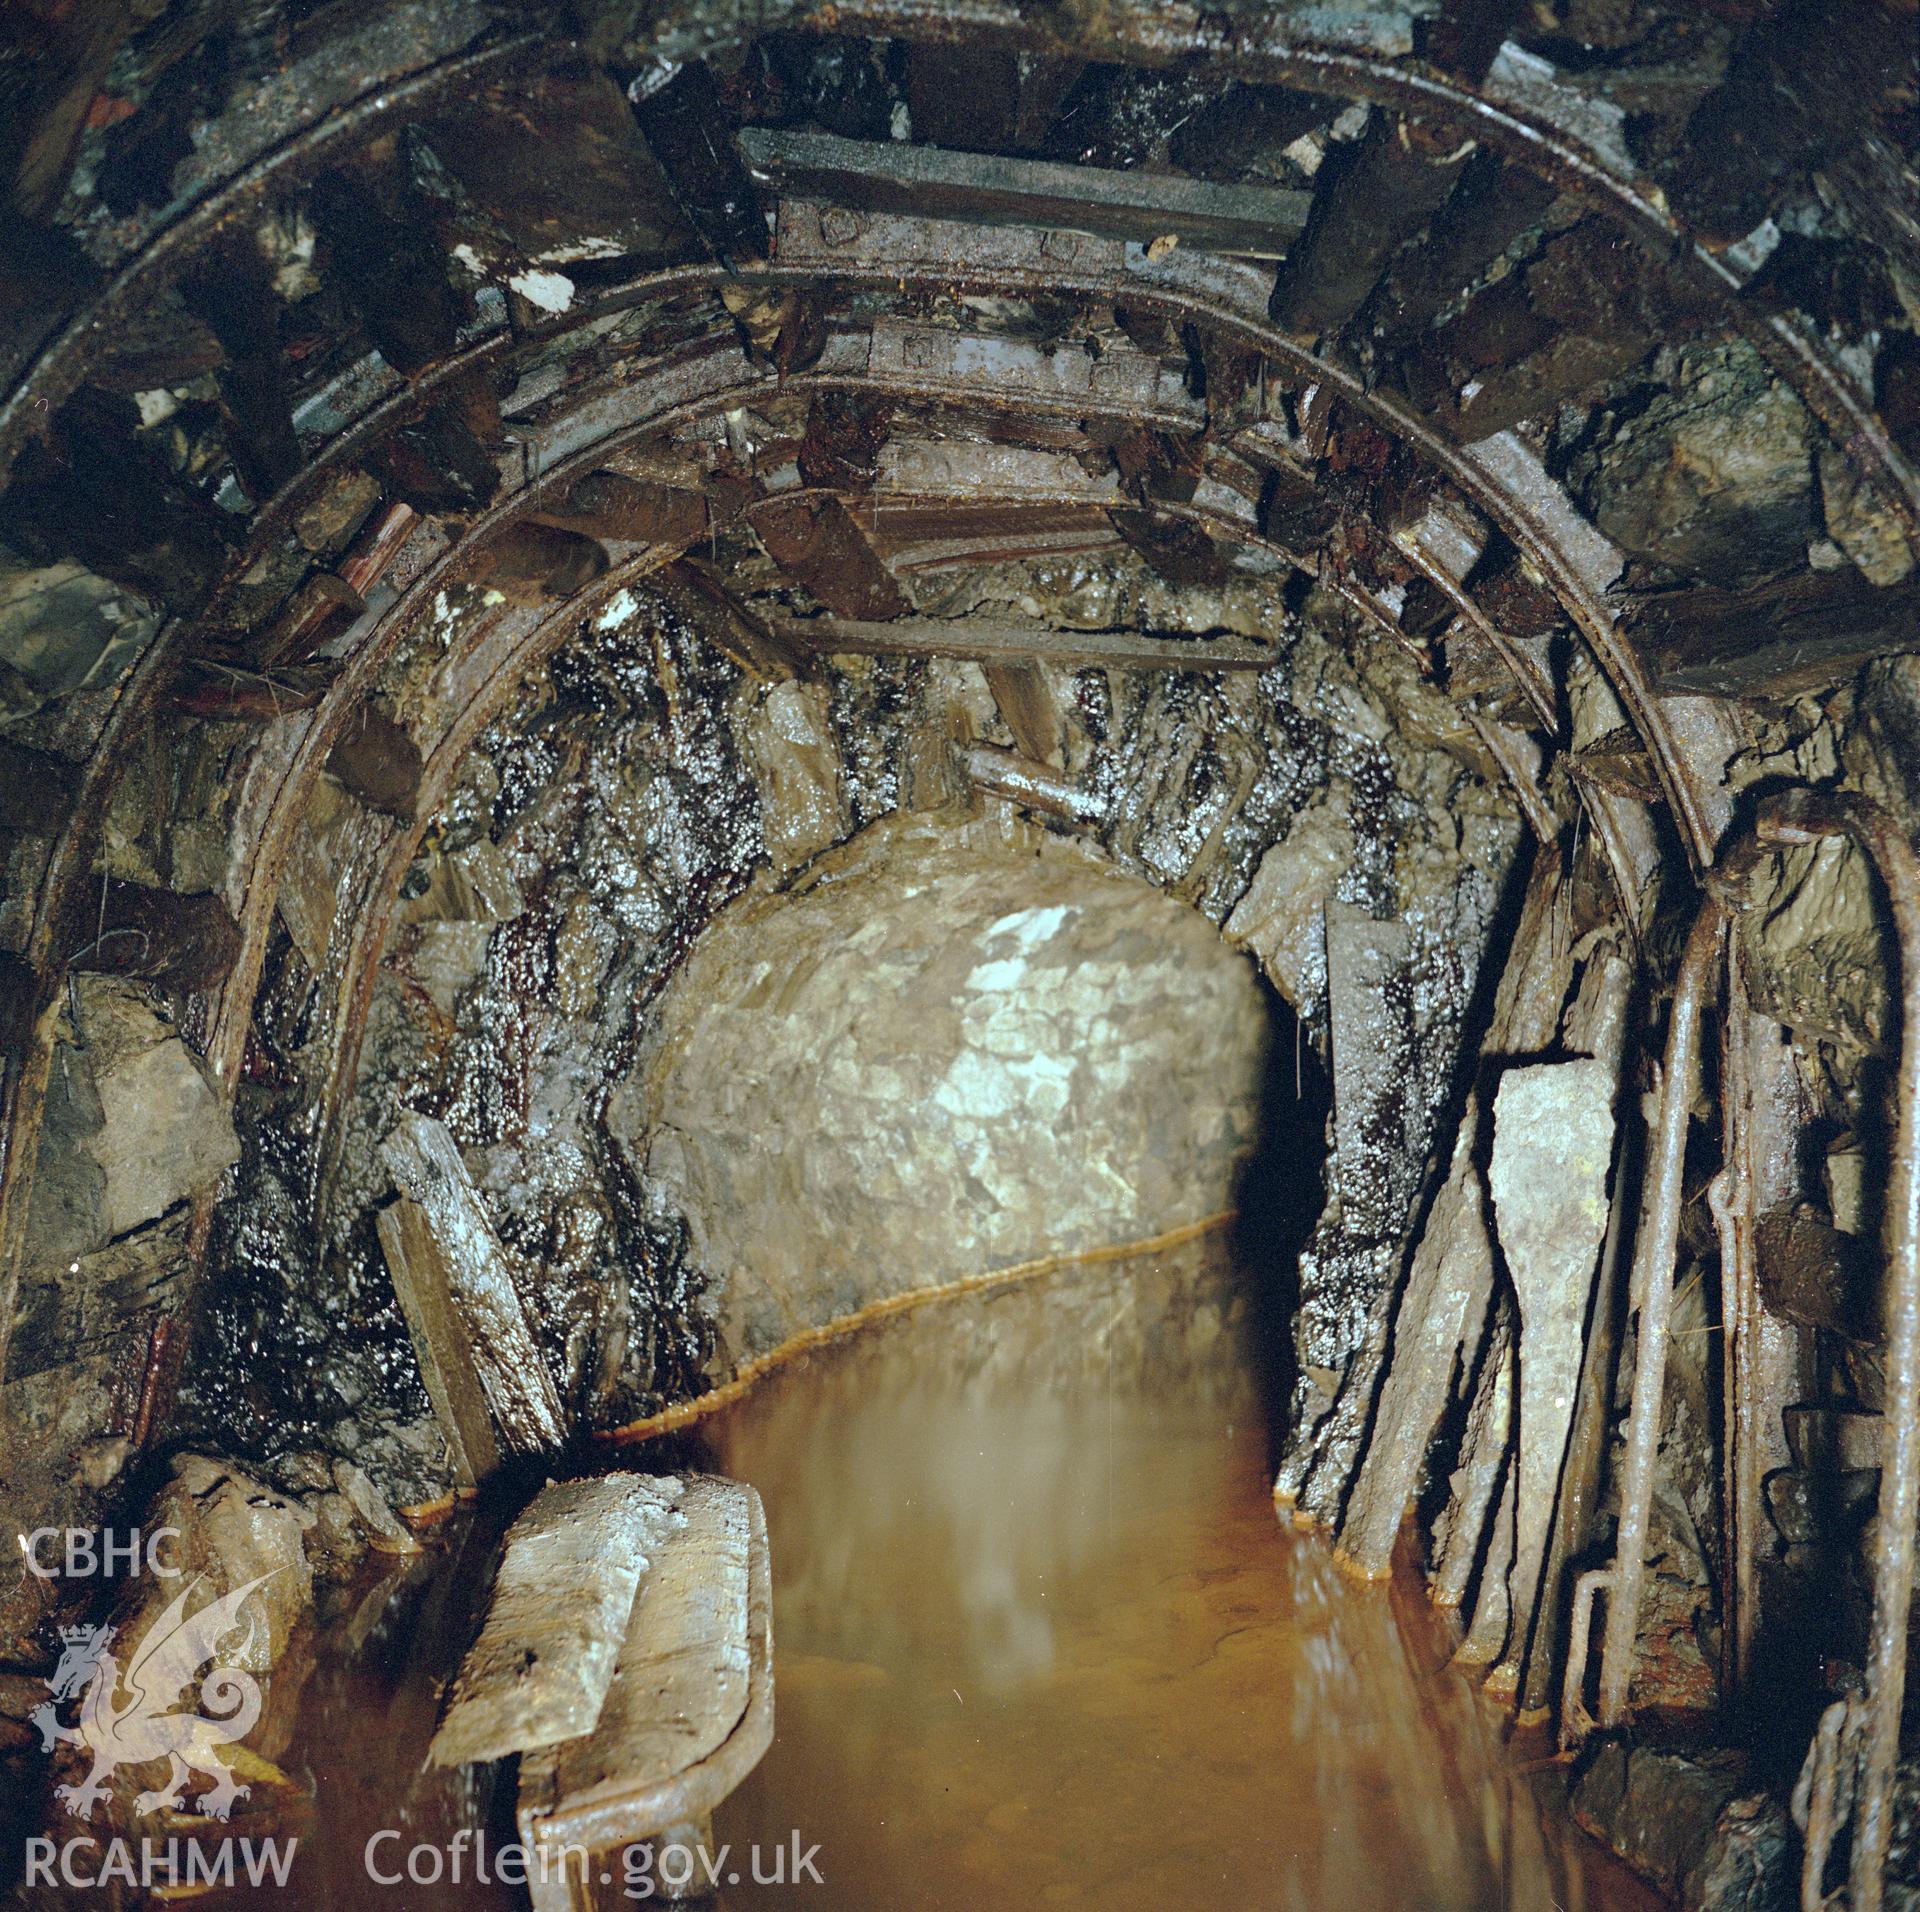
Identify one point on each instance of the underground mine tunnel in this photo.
(959, 956)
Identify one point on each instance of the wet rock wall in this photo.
(641, 782)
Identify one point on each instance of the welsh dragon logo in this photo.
(123, 1717)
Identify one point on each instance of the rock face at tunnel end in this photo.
(950, 1051)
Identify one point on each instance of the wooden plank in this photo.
(722, 621)
(97, 492)
(812, 537)
(1816, 1275)
(1493, 204)
(684, 124)
(534, 560)
(378, 761)
(901, 526)
(986, 642)
(983, 474)
(554, 163)
(232, 694)
(971, 95)
(1778, 639)
(895, 176)
(1180, 552)
(1027, 708)
(1366, 203)
(232, 291)
(957, 554)
(1581, 311)
(438, 463)
(178, 943)
(390, 270)
(37, 791)
(425, 1162)
(940, 534)
(441, 1343)
(978, 366)
(1031, 784)
(543, 1666)
(690, 1710)
(841, 446)
(609, 504)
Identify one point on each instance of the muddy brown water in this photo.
(1040, 1640)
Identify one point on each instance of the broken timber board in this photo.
(717, 616)
(893, 176)
(425, 1163)
(813, 538)
(1027, 709)
(1367, 204)
(441, 1343)
(1443, 1305)
(985, 642)
(690, 1711)
(1777, 640)
(560, 1609)
(1552, 1152)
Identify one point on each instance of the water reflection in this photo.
(1041, 1641)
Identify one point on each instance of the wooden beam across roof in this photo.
(1777, 639)
(991, 189)
(988, 642)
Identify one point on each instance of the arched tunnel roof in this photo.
(362, 357)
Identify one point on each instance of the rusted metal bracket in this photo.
(1823, 1797)
(1575, 1721)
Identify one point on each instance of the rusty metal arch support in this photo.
(440, 769)
(1499, 475)
(535, 642)
(1544, 141)
(1540, 134)
(309, 746)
